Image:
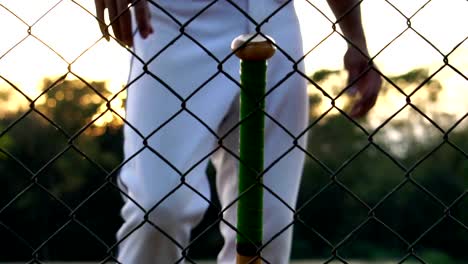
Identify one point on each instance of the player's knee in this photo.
(166, 213)
(163, 215)
(147, 218)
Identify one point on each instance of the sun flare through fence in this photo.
(387, 187)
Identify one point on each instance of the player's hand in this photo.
(368, 85)
(120, 19)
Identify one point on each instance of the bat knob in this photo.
(253, 47)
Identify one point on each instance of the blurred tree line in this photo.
(403, 192)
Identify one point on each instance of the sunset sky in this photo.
(70, 31)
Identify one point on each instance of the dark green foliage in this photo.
(321, 75)
(413, 76)
(44, 178)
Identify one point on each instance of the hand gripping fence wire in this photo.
(250, 242)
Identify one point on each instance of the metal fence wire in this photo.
(37, 250)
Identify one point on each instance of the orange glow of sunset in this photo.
(67, 40)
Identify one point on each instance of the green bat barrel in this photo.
(253, 52)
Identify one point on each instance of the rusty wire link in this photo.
(33, 175)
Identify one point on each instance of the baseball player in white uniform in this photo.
(182, 107)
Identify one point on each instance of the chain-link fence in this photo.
(390, 186)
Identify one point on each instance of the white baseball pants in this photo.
(181, 108)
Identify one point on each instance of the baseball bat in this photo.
(253, 51)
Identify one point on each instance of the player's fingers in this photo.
(100, 7)
(353, 74)
(125, 23)
(112, 9)
(370, 86)
(363, 106)
(143, 18)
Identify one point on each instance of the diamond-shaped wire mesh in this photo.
(391, 186)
